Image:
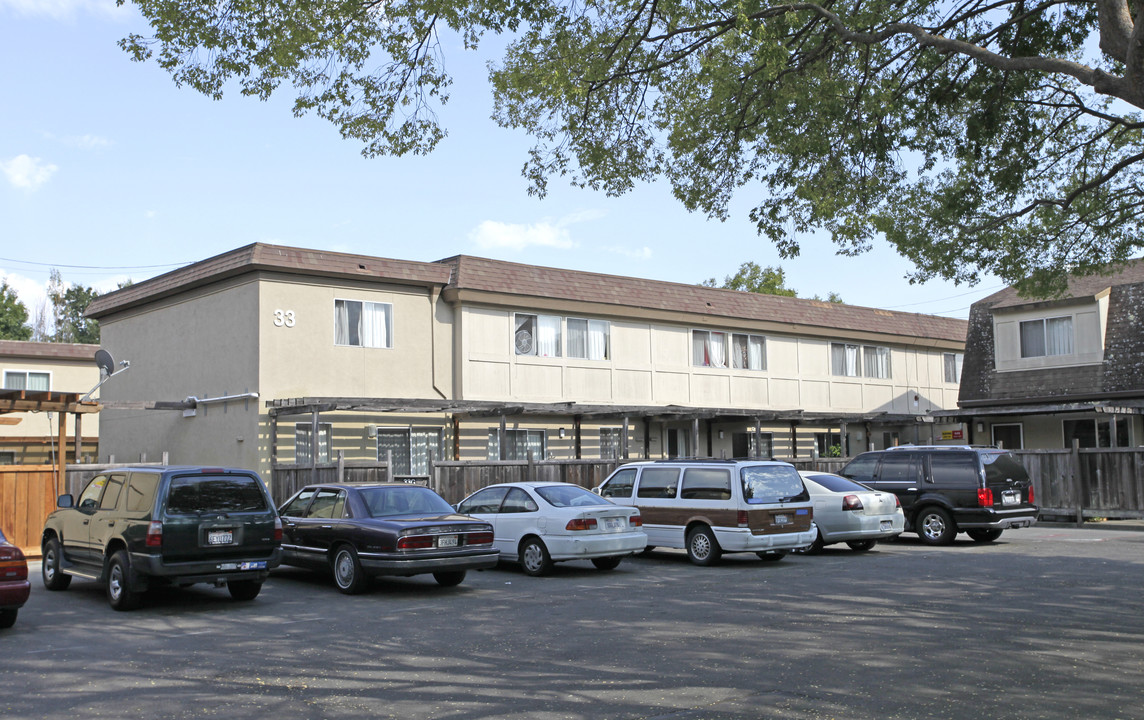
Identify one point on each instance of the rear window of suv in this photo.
(955, 469)
(214, 493)
(1000, 466)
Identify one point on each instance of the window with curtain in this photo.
(952, 363)
(27, 380)
(519, 444)
(588, 339)
(363, 324)
(412, 448)
(610, 442)
(302, 443)
(1048, 336)
(844, 359)
(537, 335)
(708, 349)
(748, 352)
(876, 361)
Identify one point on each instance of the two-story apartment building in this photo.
(34, 369)
(1043, 373)
(286, 354)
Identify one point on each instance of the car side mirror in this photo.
(596, 489)
(65, 501)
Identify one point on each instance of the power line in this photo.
(927, 302)
(94, 267)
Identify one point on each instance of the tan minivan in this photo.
(710, 507)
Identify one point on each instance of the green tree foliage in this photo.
(976, 137)
(765, 280)
(13, 315)
(68, 306)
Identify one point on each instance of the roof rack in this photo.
(944, 447)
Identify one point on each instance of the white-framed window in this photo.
(748, 352)
(845, 360)
(518, 444)
(951, 362)
(1010, 436)
(537, 335)
(412, 448)
(27, 380)
(358, 323)
(611, 442)
(1047, 336)
(303, 444)
(708, 348)
(876, 361)
(589, 339)
(1097, 432)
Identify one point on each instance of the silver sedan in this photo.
(848, 512)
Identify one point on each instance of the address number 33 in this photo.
(283, 318)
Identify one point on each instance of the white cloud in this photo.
(497, 235)
(24, 171)
(643, 253)
(65, 9)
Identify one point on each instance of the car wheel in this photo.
(862, 545)
(702, 547)
(348, 575)
(449, 579)
(534, 558)
(8, 618)
(607, 563)
(54, 578)
(773, 555)
(120, 594)
(647, 549)
(244, 589)
(983, 535)
(815, 547)
(935, 526)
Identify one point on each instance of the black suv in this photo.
(138, 527)
(947, 489)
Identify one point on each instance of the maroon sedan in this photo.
(14, 585)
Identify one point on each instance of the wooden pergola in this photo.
(50, 401)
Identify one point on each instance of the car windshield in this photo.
(772, 483)
(403, 500)
(837, 484)
(199, 494)
(562, 496)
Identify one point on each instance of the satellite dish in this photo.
(105, 362)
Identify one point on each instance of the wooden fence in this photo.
(27, 495)
(1087, 483)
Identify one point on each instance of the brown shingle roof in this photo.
(1086, 286)
(48, 350)
(476, 273)
(269, 257)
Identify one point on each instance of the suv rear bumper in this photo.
(144, 566)
(995, 519)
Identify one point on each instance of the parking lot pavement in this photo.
(1045, 623)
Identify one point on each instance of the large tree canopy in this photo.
(977, 137)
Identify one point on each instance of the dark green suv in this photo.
(134, 528)
(947, 489)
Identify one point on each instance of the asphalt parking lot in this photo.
(1045, 623)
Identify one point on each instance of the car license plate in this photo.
(782, 519)
(447, 541)
(1010, 497)
(220, 537)
(613, 523)
(884, 525)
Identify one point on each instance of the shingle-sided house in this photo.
(35, 370)
(286, 354)
(1043, 373)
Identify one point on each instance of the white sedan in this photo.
(537, 524)
(846, 511)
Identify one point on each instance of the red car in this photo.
(14, 587)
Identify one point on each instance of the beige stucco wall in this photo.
(650, 364)
(69, 376)
(200, 344)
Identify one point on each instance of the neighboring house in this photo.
(1043, 373)
(282, 354)
(36, 369)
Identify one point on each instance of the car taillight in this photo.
(742, 518)
(851, 502)
(897, 501)
(415, 542)
(985, 497)
(13, 565)
(636, 521)
(581, 524)
(277, 529)
(480, 538)
(1031, 501)
(154, 534)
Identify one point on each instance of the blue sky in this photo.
(109, 171)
